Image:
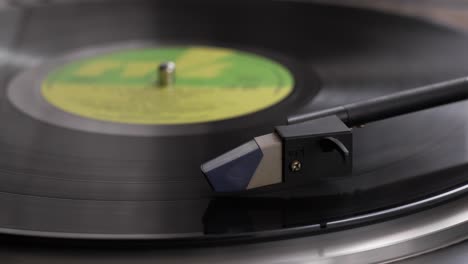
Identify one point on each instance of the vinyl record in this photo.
(77, 165)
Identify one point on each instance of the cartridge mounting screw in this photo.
(295, 166)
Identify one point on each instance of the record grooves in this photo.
(96, 179)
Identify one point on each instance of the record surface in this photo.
(66, 175)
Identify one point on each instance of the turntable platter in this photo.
(65, 174)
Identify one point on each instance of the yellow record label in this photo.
(211, 84)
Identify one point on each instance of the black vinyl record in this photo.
(58, 181)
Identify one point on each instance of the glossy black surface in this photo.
(66, 183)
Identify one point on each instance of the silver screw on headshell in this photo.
(166, 74)
(295, 166)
